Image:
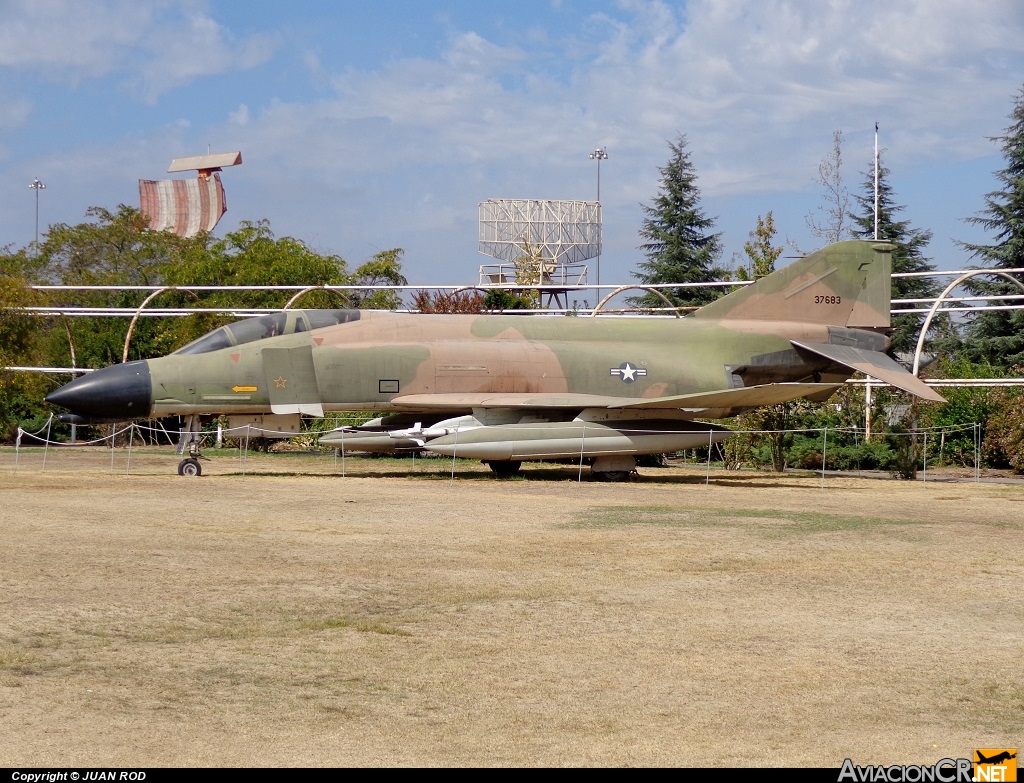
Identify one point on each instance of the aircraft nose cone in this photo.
(118, 392)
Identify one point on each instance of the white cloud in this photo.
(157, 45)
(14, 110)
(240, 116)
(412, 144)
(758, 87)
(194, 47)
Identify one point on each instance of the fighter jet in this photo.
(503, 389)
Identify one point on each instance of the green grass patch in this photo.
(355, 624)
(775, 521)
(25, 664)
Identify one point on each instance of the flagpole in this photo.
(867, 386)
(876, 180)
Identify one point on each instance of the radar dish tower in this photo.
(564, 233)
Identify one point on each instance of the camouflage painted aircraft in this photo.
(507, 388)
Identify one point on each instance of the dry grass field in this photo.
(396, 617)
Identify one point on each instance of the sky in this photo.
(370, 126)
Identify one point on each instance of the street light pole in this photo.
(599, 154)
(36, 185)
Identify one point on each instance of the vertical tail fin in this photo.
(844, 284)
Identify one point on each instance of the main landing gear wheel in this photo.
(190, 467)
(613, 467)
(612, 475)
(504, 468)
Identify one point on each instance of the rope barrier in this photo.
(245, 433)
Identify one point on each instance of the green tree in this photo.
(498, 299)
(251, 255)
(117, 248)
(678, 239)
(834, 225)
(112, 248)
(908, 255)
(998, 336)
(384, 269)
(531, 267)
(965, 405)
(20, 393)
(761, 254)
(1004, 436)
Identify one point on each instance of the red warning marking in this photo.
(318, 340)
(234, 357)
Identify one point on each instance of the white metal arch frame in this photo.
(310, 289)
(622, 288)
(942, 297)
(138, 312)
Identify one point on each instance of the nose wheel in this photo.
(190, 467)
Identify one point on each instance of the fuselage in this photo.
(372, 358)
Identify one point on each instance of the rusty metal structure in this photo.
(188, 206)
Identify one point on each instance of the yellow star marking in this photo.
(280, 382)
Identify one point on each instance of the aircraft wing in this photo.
(465, 401)
(743, 397)
(875, 364)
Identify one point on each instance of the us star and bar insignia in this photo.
(627, 372)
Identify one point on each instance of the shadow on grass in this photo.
(538, 473)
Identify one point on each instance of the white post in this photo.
(131, 440)
(454, 451)
(583, 441)
(977, 452)
(925, 456)
(867, 411)
(46, 446)
(824, 448)
(707, 476)
(246, 458)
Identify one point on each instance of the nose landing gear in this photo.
(190, 466)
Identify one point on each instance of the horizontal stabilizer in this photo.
(876, 365)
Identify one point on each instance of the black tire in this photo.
(190, 467)
(504, 468)
(613, 475)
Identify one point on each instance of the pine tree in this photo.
(907, 257)
(998, 336)
(678, 239)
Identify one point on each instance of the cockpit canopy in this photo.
(252, 329)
